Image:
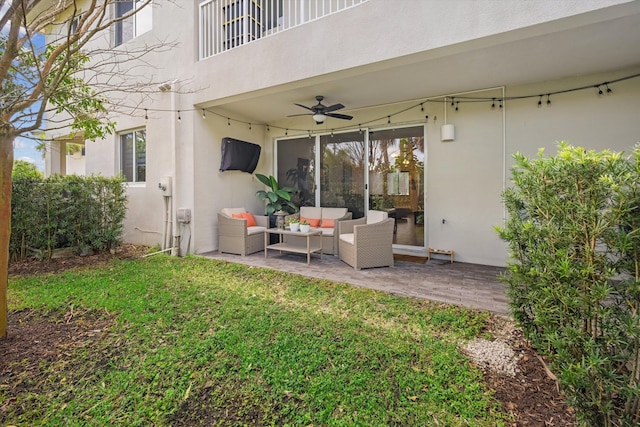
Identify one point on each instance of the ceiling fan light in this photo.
(319, 118)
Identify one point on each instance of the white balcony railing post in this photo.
(226, 24)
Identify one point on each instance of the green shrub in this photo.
(83, 213)
(574, 278)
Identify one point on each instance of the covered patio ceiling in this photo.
(599, 42)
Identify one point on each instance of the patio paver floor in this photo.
(469, 285)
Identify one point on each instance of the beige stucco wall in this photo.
(464, 177)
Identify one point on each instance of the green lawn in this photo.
(204, 342)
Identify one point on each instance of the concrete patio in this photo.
(469, 285)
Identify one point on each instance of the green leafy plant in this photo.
(303, 222)
(574, 281)
(278, 199)
(83, 213)
(292, 220)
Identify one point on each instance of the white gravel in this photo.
(496, 355)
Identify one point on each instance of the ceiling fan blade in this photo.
(339, 116)
(333, 108)
(305, 107)
(304, 114)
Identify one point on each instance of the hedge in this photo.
(82, 213)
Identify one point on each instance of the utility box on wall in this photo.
(184, 215)
(165, 186)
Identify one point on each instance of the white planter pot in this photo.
(305, 228)
(294, 227)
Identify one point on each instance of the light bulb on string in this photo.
(146, 116)
(493, 103)
(179, 118)
(421, 107)
(600, 93)
(204, 116)
(249, 126)
(609, 91)
(388, 120)
(500, 101)
(548, 100)
(286, 132)
(228, 121)
(540, 101)
(457, 102)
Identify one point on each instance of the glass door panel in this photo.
(296, 168)
(396, 180)
(342, 168)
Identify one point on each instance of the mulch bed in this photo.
(531, 397)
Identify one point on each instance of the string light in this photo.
(455, 101)
(426, 118)
(249, 126)
(204, 116)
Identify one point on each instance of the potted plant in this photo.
(305, 226)
(278, 199)
(293, 223)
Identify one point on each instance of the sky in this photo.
(25, 149)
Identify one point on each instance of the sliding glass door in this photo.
(385, 173)
(342, 168)
(396, 180)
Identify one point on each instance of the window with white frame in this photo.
(133, 155)
(134, 25)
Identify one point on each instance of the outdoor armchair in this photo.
(239, 235)
(365, 243)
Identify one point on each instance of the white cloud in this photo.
(27, 159)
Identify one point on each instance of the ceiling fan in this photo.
(320, 112)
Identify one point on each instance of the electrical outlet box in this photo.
(165, 186)
(184, 215)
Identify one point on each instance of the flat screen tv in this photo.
(239, 155)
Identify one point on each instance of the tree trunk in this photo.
(6, 166)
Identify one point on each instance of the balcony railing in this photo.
(225, 24)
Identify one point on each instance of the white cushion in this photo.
(347, 238)
(333, 213)
(230, 211)
(310, 212)
(326, 231)
(255, 229)
(376, 216)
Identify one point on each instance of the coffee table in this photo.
(312, 245)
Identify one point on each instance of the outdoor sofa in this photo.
(325, 219)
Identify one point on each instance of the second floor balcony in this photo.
(226, 24)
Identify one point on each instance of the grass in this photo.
(204, 342)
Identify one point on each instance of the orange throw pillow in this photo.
(327, 223)
(312, 221)
(251, 221)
